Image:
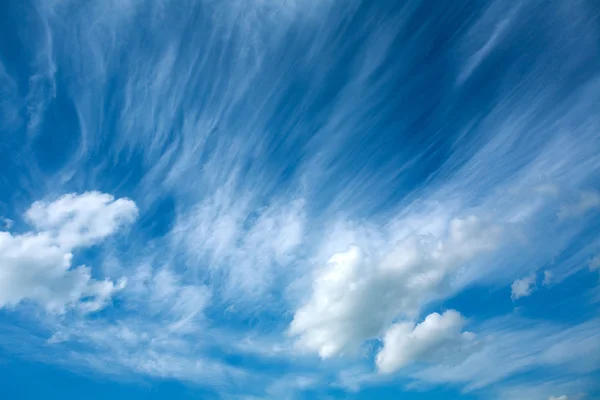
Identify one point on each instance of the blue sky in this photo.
(298, 199)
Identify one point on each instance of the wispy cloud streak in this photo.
(306, 177)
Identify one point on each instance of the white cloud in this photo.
(563, 397)
(358, 294)
(488, 32)
(37, 265)
(160, 331)
(160, 293)
(437, 339)
(195, 156)
(507, 347)
(226, 234)
(81, 220)
(523, 287)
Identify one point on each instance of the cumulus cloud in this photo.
(81, 220)
(437, 338)
(563, 397)
(37, 265)
(187, 147)
(523, 287)
(358, 293)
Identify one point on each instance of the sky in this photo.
(300, 199)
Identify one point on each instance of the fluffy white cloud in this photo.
(358, 294)
(437, 338)
(81, 220)
(37, 265)
(523, 287)
(558, 398)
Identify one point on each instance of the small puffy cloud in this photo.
(523, 287)
(37, 265)
(438, 337)
(558, 398)
(359, 294)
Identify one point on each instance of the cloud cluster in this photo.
(37, 265)
(358, 294)
(204, 122)
(437, 339)
(523, 287)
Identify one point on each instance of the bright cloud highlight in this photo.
(37, 265)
